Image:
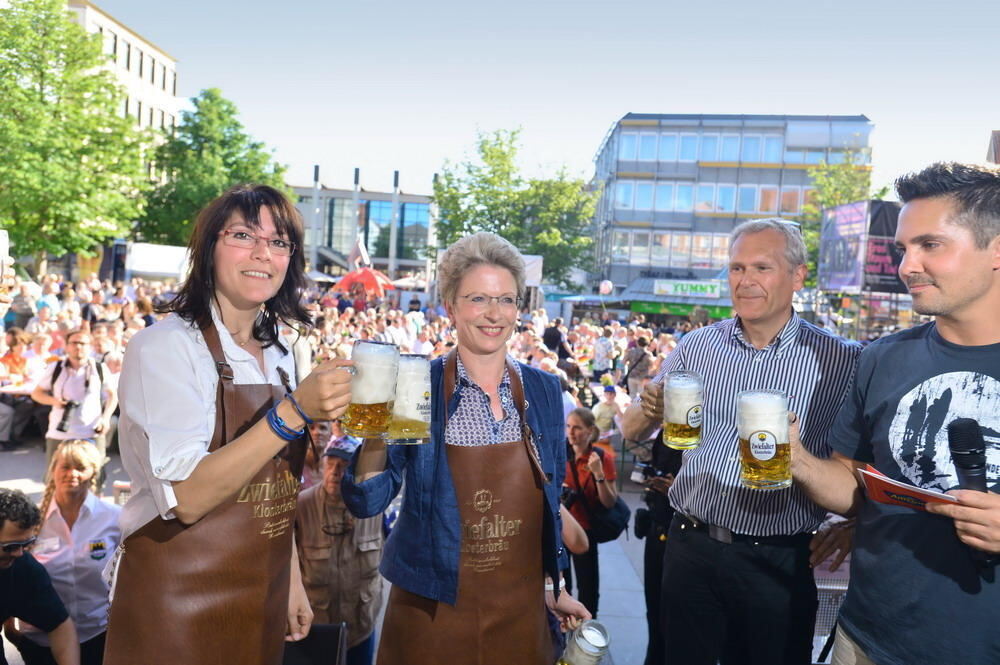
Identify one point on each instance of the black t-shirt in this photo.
(26, 593)
(915, 594)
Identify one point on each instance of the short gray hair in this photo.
(795, 247)
(480, 248)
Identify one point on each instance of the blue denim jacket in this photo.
(422, 553)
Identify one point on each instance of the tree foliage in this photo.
(550, 217)
(72, 172)
(834, 185)
(209, 152)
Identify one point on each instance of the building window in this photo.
(623, 195)
(836, 157)
(664, 196)
(751, 149)
(815, 156)
(124, 107)
(627, 146)
(789, 200)
(689, 148)
(730, 148)
(163, 77)
(660, 251)
(619, 247)
(151, 114)
(701, 250)
(680, 250)
(128, 56)
(720, 250)
(668, 147)
(138, 112)
(708, 151)
(748, 199)
(647, 147)
(794, 157)
(706, 199)
(644, 196)
(726, 199)
(173, 85)
(640, 248)
(684, 201)
(809, 198)
(772, 149)
(768, 199)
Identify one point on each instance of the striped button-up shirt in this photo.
(812, 366)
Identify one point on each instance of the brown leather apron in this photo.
(499, 614)
(214, 592)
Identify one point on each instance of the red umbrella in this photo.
(372, 280)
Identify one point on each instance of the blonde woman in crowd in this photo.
(78, 534)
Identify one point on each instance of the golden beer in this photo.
(683, 405)
(373, 389)
(765, 454)
(411, 412)
(367, 420)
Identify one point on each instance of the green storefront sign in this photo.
(678, 309)
(687, 288)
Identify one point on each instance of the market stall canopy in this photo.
(370, 279)
(320, 277)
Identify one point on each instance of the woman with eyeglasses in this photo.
(78, 535)
(474, 557)
(213, 437)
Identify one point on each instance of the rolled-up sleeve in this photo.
(165, 393)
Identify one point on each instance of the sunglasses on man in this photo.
(10, 548)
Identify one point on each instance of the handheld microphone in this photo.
(968, 453)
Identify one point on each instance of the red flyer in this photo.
(883, 489)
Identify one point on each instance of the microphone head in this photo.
(965, 437)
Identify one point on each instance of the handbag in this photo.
(606, 524)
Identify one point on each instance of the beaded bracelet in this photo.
(298, 409)
(280, 429)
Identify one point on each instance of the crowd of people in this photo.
(225, 401)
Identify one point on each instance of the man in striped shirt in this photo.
(737, 582)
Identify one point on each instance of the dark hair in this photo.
(586, 416)
(975, 191)
(16, 507)
(194, 300)
(19, 336)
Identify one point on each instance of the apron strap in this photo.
(211, 335)
(517, 392)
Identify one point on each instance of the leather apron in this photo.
(216, 591)
(499, 614)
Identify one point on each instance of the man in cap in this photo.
(339, 554)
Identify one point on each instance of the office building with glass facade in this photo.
(341, 218)
(674, 186)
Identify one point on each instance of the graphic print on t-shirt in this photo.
(918, 435)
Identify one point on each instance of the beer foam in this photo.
(375, 367)
(765, 411)
(413, 389)
(680, 395)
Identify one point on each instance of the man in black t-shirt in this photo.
(26, 591)
(923, 588)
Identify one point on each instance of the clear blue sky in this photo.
(406, 85)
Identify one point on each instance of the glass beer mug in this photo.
(683, 405)
(373, 389)
(765, 454)
(411, 412)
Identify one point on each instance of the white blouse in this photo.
(167, 392)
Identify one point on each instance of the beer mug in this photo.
(411, 412)
(683, 399)
(373, 389)
(765, 454)
(587, 645)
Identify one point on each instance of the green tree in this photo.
(551, 217)
(209, 152)
(72, 172)
(834, 185)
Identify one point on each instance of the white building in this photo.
(146, 72)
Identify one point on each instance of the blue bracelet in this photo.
(298, 409)
(280, 429)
